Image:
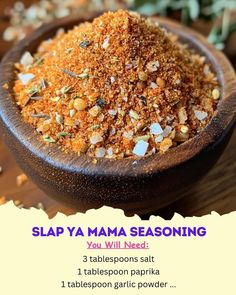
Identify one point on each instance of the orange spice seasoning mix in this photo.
(120, 86)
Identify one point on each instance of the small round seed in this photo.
(184, 129)
(142, 76)
(80, 104)
(216, 94)
(160, 82)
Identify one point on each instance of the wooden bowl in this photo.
(139, 186)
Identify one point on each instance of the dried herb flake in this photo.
(101, 102)
(84, 44)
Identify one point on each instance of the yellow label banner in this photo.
(105, 252)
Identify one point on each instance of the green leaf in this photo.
(63, 134)
(47, 138)
(185, 16)
(194, 9)
(220, 46)
(147, 9)
(214, 36)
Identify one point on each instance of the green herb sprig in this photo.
(192, 10)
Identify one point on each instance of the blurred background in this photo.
(216, 19)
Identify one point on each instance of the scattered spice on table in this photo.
(118, 87)
(23, 19)
(5, 86)
(21, 179)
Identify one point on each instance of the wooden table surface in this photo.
(215, 192)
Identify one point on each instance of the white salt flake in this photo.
(112, 80)
(100, 152)
(167, 131)
(177, 82)
(153, 85)
(96, 138)
(110, 152)
(128, 134)
(156, 129)
(112, 131)
(153, 151)
(25, 78)
(159, 138)
(200, 115)
(72, 113)
(105, 44)
(112, 112)
(128, 66)
(140, 148)
(27, 59)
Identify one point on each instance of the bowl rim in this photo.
(128, 167)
